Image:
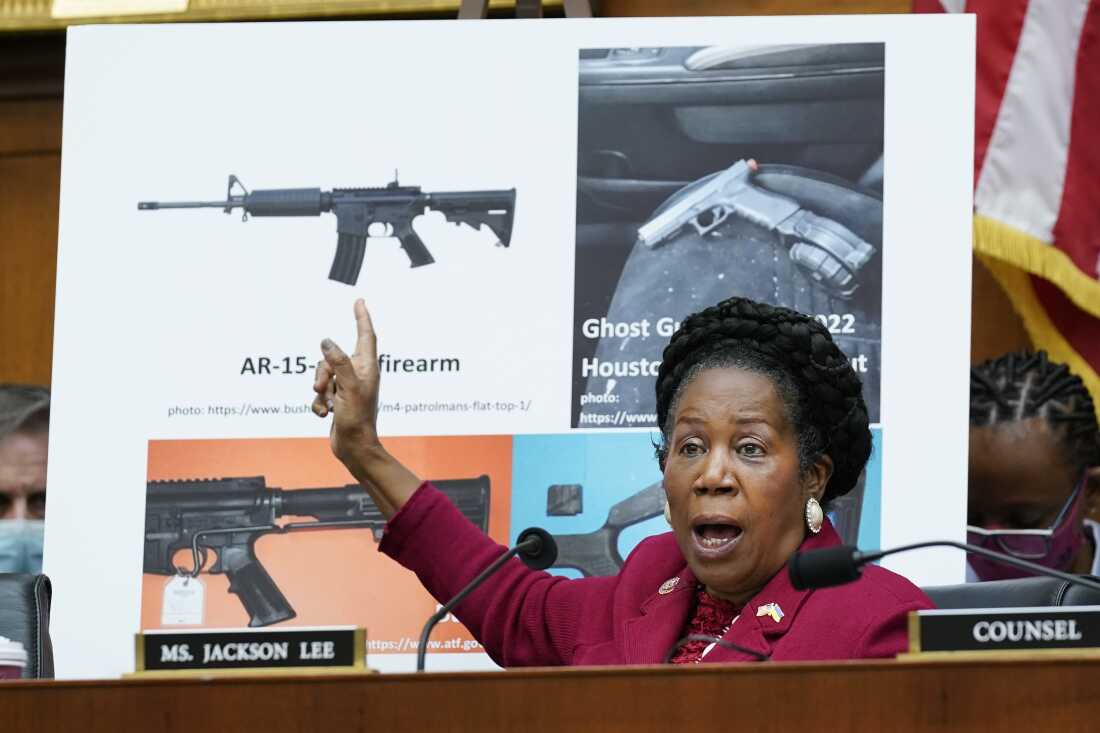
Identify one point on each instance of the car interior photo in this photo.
(656, 126)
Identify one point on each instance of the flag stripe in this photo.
(996, 239)
(1077, 231)
(1080, 329)
(1037, 167)
(939, 6)
(1021, 179)
(1044, 334)
(999, 25)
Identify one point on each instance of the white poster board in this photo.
(184, 339)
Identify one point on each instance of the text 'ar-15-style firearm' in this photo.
(829, 252)
(228, 515)
(393, 208)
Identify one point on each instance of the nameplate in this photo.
(1004, 629)
(306, 649)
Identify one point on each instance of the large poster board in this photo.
(551, 196)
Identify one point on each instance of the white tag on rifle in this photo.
(183, 601)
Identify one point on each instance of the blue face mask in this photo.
(21, 545)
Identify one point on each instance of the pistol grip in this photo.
(595, 554)
(350, 249)
(829, 252)
(261, 598)
(413, 245)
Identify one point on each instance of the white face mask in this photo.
(21, 545)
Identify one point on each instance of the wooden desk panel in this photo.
(1027, 694)
(30, 171)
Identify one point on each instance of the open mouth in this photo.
(715, 536)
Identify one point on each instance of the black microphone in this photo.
(535, 547)
(839, 565)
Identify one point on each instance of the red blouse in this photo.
(712, 617)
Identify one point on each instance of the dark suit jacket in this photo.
(527, 617)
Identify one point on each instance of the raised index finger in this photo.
(366, 344)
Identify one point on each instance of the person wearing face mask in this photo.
(1034, 476)
(24, 430)
(763, 423)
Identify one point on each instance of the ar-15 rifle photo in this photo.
(394, 207)
(228, 515)
(597, 553)
(825, 249)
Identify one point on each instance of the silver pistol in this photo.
(828, 251)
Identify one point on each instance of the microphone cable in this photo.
(714, 640)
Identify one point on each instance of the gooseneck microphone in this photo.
(839, 565)
(535, 547)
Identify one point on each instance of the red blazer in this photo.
(527, 617)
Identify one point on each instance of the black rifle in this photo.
(228, 515)
(356, 209)
(597, 553)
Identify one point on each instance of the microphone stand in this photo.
(862, 558)
(539, 550)
(842, 564)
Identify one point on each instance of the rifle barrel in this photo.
(143, 205)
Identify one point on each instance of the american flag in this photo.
(1037, 167)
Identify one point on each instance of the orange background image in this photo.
(329, 576)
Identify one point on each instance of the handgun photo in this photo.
(597, 553)
(829, 252)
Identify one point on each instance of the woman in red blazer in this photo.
(762, 422)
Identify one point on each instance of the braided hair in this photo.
(1024, 385)
(822, 394)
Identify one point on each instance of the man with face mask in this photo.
(24, 427)
(1034, 479)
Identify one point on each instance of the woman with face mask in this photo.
(1034, 467)
(762, 425)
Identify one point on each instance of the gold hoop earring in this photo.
(814, 515)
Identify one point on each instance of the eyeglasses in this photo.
(1026, 544)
